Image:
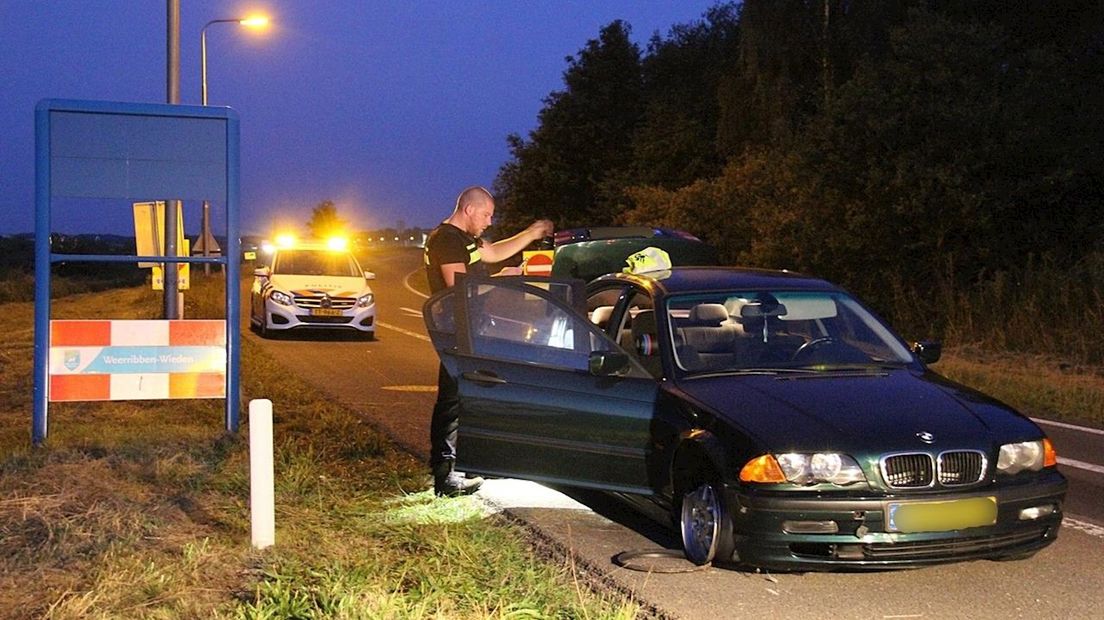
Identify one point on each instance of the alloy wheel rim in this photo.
(700, 511)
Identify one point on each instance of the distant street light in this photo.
(254, 22)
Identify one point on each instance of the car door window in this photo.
(638, 332)
(440, 314)
(516, 324)
(601, 304)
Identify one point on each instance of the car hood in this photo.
(857, 412)
(333, 286)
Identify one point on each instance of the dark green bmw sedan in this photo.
(776, 420)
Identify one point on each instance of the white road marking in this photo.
(406, 283)
(1072, 427)
(410, 388)
(1091, 529)
(1096, 469)
(411, 311)
(403, 331)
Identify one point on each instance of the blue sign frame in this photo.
(141, 152)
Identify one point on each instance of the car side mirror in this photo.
(608, 363)
(262, 272)
(929, 351)
(368, 275)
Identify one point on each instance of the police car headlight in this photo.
(364, 301)
(281, 298)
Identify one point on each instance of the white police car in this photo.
(312, 286)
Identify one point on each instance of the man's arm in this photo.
(449, 271)
(501, 250)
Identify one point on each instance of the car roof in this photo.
(589, 253)
(699, 279)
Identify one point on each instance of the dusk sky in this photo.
(386, 108)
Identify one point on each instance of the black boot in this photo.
(449, 483)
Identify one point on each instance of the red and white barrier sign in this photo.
(137, 360)
(537, 263)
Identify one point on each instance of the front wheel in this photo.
(706, 525)
(262, 326)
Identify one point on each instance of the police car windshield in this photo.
(316, 263)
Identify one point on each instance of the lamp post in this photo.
(255, 22)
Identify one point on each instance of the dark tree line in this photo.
(867, 141)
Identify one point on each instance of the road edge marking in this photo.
(406, 283)
(1091, 529)
(403, 331)
(1072, 427)
(1096, 469)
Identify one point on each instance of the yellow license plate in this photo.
(941, 516)
(325, 312)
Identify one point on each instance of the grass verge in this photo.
(141, 509)
(1036, 385)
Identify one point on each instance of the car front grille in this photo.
(329, 320)
(931, 550)
(907, 471)
(322, 301)
(959, 468)
(952, 548)
(920, 470)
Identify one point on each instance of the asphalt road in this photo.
(391, 382)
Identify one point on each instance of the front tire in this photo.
(706, 525)
(262, 325)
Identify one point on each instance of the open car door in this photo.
(544, 394)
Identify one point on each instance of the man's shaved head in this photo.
(474, 195)
(474, 210)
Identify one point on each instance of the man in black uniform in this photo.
(456, 247)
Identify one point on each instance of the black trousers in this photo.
(445, 421)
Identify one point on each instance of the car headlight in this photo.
(1029, 455)
(804, 469)
(281, 298)
(364, 301)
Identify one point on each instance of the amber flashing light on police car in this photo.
(337, 243)
(285, 240)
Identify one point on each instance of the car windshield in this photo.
(316, 263)
(739, 331)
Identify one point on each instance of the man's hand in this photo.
(539, 229)
(501, 250)
(509, 271)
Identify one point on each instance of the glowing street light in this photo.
(255, 22)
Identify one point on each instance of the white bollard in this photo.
(262, 495)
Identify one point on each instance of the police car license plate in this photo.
(941, 516)
(325, 312)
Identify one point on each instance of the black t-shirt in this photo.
(448, 244)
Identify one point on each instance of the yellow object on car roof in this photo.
(648, 259)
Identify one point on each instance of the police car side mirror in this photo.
(262, 272)
(608, 363)
(368, 275)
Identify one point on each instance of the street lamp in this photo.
(254, 22)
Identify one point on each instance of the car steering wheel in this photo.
(811, 345)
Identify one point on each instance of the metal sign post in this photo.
(97, 149)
